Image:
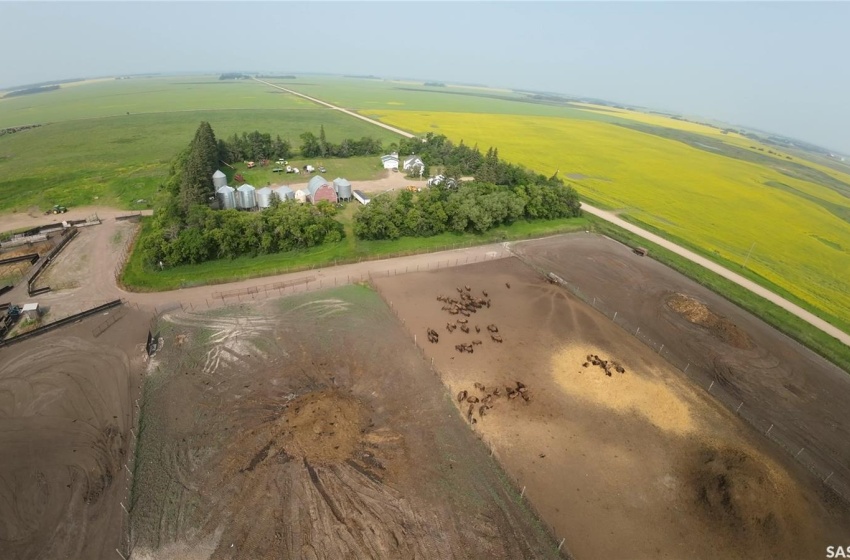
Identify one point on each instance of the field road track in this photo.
(796, 310)
(346, 111)
(722, 271)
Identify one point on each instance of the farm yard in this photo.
(312, 427)
(614, 447)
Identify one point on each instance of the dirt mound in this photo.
(745, 495)
(698, 313)
(324, 427)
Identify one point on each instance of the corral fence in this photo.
(830, 470)
(32, 257)
(61, 322)
(67, 236)
(137, 216)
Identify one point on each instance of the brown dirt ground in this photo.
(699, 313)
(313, 428)
(639, 463)
(780, 381)
(65, 413)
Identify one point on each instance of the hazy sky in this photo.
(782, 67)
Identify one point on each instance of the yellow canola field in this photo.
(707, 200)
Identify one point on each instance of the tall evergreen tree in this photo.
(202, 161)
(323, 142)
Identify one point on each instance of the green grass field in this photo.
(93, 153)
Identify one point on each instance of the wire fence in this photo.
(830, 470)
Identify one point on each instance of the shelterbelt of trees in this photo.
(502, 193)
(259, 145)
(185, 230)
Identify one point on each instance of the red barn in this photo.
(320, 188)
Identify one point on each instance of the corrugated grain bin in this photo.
(246, 197)
(285, 193)
(264, 197)
(219, 180)
(226, 197)
(343, 188)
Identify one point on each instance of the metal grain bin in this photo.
(285, 193)
(264, 197)
(342, 188)
(219, 180)
(246, 197)
(226, 197)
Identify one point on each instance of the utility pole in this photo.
(748, 254)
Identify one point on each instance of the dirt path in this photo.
(722, 271)
(389, 182)
(346, 111)
(681, 251)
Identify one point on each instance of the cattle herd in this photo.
(489, 397)
(605, 365)
(465, 305)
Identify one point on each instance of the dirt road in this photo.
(346, 111)
(722, 271)
(681, 251)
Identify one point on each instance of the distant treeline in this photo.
(14, 129)
(434, 84)
(233, 76)
(50, 83)
(257, 146)
(31, 91)
(276, 77)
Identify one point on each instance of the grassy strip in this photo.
(137, 277)
(745, 272)
(787, 323)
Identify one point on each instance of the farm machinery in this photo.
(57, 209)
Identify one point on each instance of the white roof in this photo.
(246, 187)
(218, 174)
(264, 190)
(30, 307)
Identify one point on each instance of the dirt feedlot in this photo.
(637, 464)
(312, 427)
(779, 381)
(65, 413)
